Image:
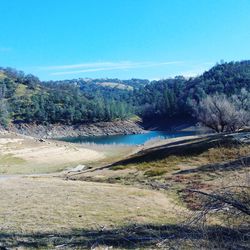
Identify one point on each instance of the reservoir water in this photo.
(133, 139)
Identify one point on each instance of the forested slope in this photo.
(26, 99)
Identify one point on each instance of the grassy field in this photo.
(205, 164)
(166, 161)
(139, 202)
(39, 211)
(46, 204)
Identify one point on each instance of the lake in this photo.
(133, 139)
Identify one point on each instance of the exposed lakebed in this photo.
(131, 139)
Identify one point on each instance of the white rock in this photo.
(77, 168)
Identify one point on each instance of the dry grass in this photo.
(35, 206)
(221, 154)
(178, 172)
(173, 163)
(2, 75)
(48, 204)
(21, 90)
(169, 164)
(115, 85)
(9, 159)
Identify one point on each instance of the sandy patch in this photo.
(56, 154)
(24, 155)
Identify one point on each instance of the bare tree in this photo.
(242, 100)
(223, 114)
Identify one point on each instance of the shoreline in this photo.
(55, 131)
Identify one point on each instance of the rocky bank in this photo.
(92, 129)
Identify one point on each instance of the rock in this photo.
(77, 168)
(91, 129)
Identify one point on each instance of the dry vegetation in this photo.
(189, 171)
(26, 155)
(55, 209)
(165, 161)
(46, 204)
(160, 197)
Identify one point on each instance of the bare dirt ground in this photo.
(26, 155)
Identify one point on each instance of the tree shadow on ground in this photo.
(132, 237)
(238, 164)
(190, 147)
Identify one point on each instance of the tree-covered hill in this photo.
(24, 98)
(227, 78)
(174, 97)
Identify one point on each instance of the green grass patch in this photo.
(9, 159)
(169, 163)
(155, 172)
(2, 75)
(119, 167)
(154, 168)
(21, 89)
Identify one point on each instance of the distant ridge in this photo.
(26, 99)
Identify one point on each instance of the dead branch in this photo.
(230, 201)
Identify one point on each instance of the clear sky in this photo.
(64, 39)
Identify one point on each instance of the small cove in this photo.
(131, 139)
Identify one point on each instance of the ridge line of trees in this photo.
(24, 98)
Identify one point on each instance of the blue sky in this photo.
(64, 39)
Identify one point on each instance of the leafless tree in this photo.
(242, 100)
(223, 114)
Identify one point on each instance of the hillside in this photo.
(145, 201)
(25, 99)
